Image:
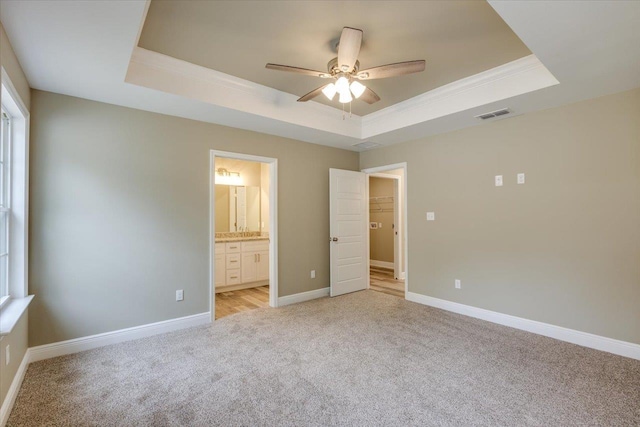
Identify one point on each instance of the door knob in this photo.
(334, 239)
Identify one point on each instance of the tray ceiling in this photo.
(457, 39)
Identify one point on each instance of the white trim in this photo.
(303, 296)
(404, 203)
(11, 311)
(76, 345)
(584, 339)
(514, 78)
(167, 74)
(171, 75)
(19, 225)
(12, 393)
(273, 223)
(382, 264)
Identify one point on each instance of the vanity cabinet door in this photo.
(249, 267)
(220, 270)
(263, 265)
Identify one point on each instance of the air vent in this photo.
(367, 145)
(492, 114)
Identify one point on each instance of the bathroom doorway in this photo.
(243, 233)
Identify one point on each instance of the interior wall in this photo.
(264, 196)
(17, 339)
(222, 208)
(120, 214)
(250, 172)
(381, 241)
(562, 248)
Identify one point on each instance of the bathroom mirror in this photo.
(237, 208)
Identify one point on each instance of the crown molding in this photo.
(167, 74)
(515, 78)
(161, 72)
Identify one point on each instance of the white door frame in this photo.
(403, 203)
(273, 223)
(397, 271)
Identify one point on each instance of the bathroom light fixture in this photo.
(225, 177)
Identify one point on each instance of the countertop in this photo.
(239, 239)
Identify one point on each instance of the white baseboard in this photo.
(621, 348)
(12, 393)
(303, 296)
(383, 264)
(76, 345)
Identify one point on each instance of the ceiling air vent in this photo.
(492, 114)
(367, 145)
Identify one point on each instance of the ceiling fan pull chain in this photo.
(342, 111)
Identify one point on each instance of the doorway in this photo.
(387, 229)
(243, 233)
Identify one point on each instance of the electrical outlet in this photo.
(498, 180)
(520, 178)
(458, 285)
(7, 354)
(431, 216)
(313, 274)
(179, 295)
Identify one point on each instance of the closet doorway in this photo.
(386, 242)
(243, 233)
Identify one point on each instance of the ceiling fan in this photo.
(345, 70)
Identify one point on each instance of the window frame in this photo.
(5, 203)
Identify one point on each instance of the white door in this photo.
(348, 228)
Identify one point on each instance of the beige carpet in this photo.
(360, 359)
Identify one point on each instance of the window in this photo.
(5, 212)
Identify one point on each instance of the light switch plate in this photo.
(313, 274)
(457, 284)
(379, 225)
(431, 216)
(520, 178)
(498, 180)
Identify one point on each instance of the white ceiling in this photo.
(84, 49)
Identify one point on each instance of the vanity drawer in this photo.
(255, 246)
(233, 277)
(233, 247)
(220, 248)
(233, 261)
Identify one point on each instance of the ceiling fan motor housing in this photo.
(334, 69)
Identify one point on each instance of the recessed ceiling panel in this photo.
(456, 38)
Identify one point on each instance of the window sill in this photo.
(11, 313)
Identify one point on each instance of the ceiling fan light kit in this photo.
(345, 70)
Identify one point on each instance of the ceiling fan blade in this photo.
(369, 96)
(312, 94)
(392, 70)
(349, 48)
(298, 70)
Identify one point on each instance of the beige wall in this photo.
(222, 208)
(381, 212)
(120, 214)
(561, 249)
(17, 339)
